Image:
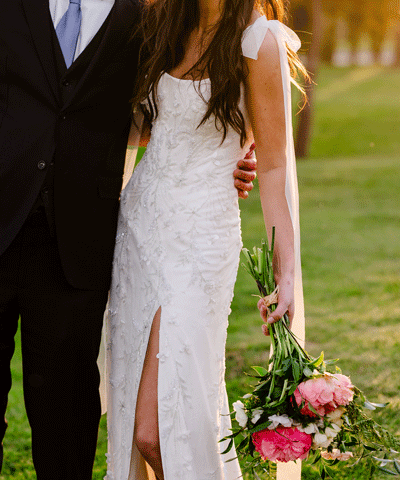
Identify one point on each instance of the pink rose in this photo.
(283, 444)
(318, 392)
(343, 393)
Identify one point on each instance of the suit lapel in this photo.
(122, 17)
(39, 21)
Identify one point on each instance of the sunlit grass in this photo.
(357, 112)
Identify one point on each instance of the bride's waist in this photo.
(204, 177)
(183, 195)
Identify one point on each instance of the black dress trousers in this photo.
(61, 331)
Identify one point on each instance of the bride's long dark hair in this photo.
(165, 29)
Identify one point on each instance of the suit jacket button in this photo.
(41, 165)
(66, 83)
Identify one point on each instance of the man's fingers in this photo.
(247, 176)
(249, 164)
(246, 186)
(250, 153)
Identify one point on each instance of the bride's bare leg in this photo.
(146, 417)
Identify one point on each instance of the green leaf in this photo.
(273, 240)
(319, 360)
(296, 371)
(313, 409)
(230, 445)
(386, 470)
(230, 460)
(316, 459)
(292, 389)
(256, 476)
(243, 443)
(370, 449)
(261, 371)
(331, 362)
(330, 471)
(262, 426)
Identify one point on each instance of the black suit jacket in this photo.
(84, 134)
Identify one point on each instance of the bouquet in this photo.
(304, 407)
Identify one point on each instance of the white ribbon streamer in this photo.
(252, 41)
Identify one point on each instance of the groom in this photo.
(66, 73)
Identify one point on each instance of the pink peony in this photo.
(343, 393)
(317, 392)
(283, 444)
(324, 394)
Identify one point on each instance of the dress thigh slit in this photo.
(138, 462)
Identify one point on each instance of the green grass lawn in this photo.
(357, 112)
(350, 221)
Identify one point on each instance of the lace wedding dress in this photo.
(178, 248)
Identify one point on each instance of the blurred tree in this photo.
(313, 17)
(397, 48)
(394, 13)
(315, 21)
(371, 17)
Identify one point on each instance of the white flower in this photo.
(241, 416)
(336, 454)
(338, 423)
(335, 427)
(248, 395)
(256, 415)
(279, 420)
(331, 432)
(336, 416)
(310, 428)
(321, 440)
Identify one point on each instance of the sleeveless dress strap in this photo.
(252, 40)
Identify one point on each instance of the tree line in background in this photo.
(316, 22)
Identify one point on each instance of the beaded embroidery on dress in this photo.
(178, 247)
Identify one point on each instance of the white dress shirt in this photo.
(94, 13)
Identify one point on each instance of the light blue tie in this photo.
(68, 30)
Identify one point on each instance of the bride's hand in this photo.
(285, 305)
(245, 173)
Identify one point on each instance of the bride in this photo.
(215, 76)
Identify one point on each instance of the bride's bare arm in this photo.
(265, 104)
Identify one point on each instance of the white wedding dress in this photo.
(178, 247)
